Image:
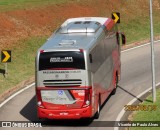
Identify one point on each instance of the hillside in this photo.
(41, 20)
(26, 24)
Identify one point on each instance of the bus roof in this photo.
(77, 33)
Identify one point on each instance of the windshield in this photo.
(61, 60)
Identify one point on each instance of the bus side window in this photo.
(107, 44)
(117, 34)
(118, 39)
(90, 58)
(100, 50)
(97, 55)
(94, 64)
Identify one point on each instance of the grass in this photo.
(131, 32)
(8, 5)
(148, 115)
(135, 23)
(22, 65)
(137, 30)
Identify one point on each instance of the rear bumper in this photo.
(65, 114)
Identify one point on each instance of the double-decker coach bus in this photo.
(78, 68)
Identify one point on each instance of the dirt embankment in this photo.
(21, 24)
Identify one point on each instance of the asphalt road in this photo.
(135, 78)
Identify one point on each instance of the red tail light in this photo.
(81, 50)
(39, 99)
(87, 98)
(41, 51)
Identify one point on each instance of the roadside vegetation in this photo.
(10, 5)
(148, 115)
(26, 24)
(22, 65)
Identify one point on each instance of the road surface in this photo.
(135, 78)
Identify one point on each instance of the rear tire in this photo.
(116, 84)
(97, 114)
(42, 119)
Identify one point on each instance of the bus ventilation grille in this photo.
(62, 83)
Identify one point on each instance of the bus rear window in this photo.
(61, 59)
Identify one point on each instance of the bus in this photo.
(78, 68)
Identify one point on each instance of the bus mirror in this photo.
(90, 58)
(123, 39)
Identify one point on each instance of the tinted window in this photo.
(56, 60)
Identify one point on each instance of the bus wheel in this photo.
(96, 116)
(116, 84)
(42, 119)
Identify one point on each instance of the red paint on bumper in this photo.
(65, 114)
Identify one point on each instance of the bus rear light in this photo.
(81, 50)
(39, 99)
(41, 51)
(87, 98)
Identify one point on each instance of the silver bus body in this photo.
(77, 68)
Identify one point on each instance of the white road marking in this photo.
(139, 46)
(15, 94)
(120, 115)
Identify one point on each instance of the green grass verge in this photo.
(22, 65)
(138, 30)
(7, 5)
(148, 115)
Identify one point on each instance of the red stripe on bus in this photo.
(109, 24)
